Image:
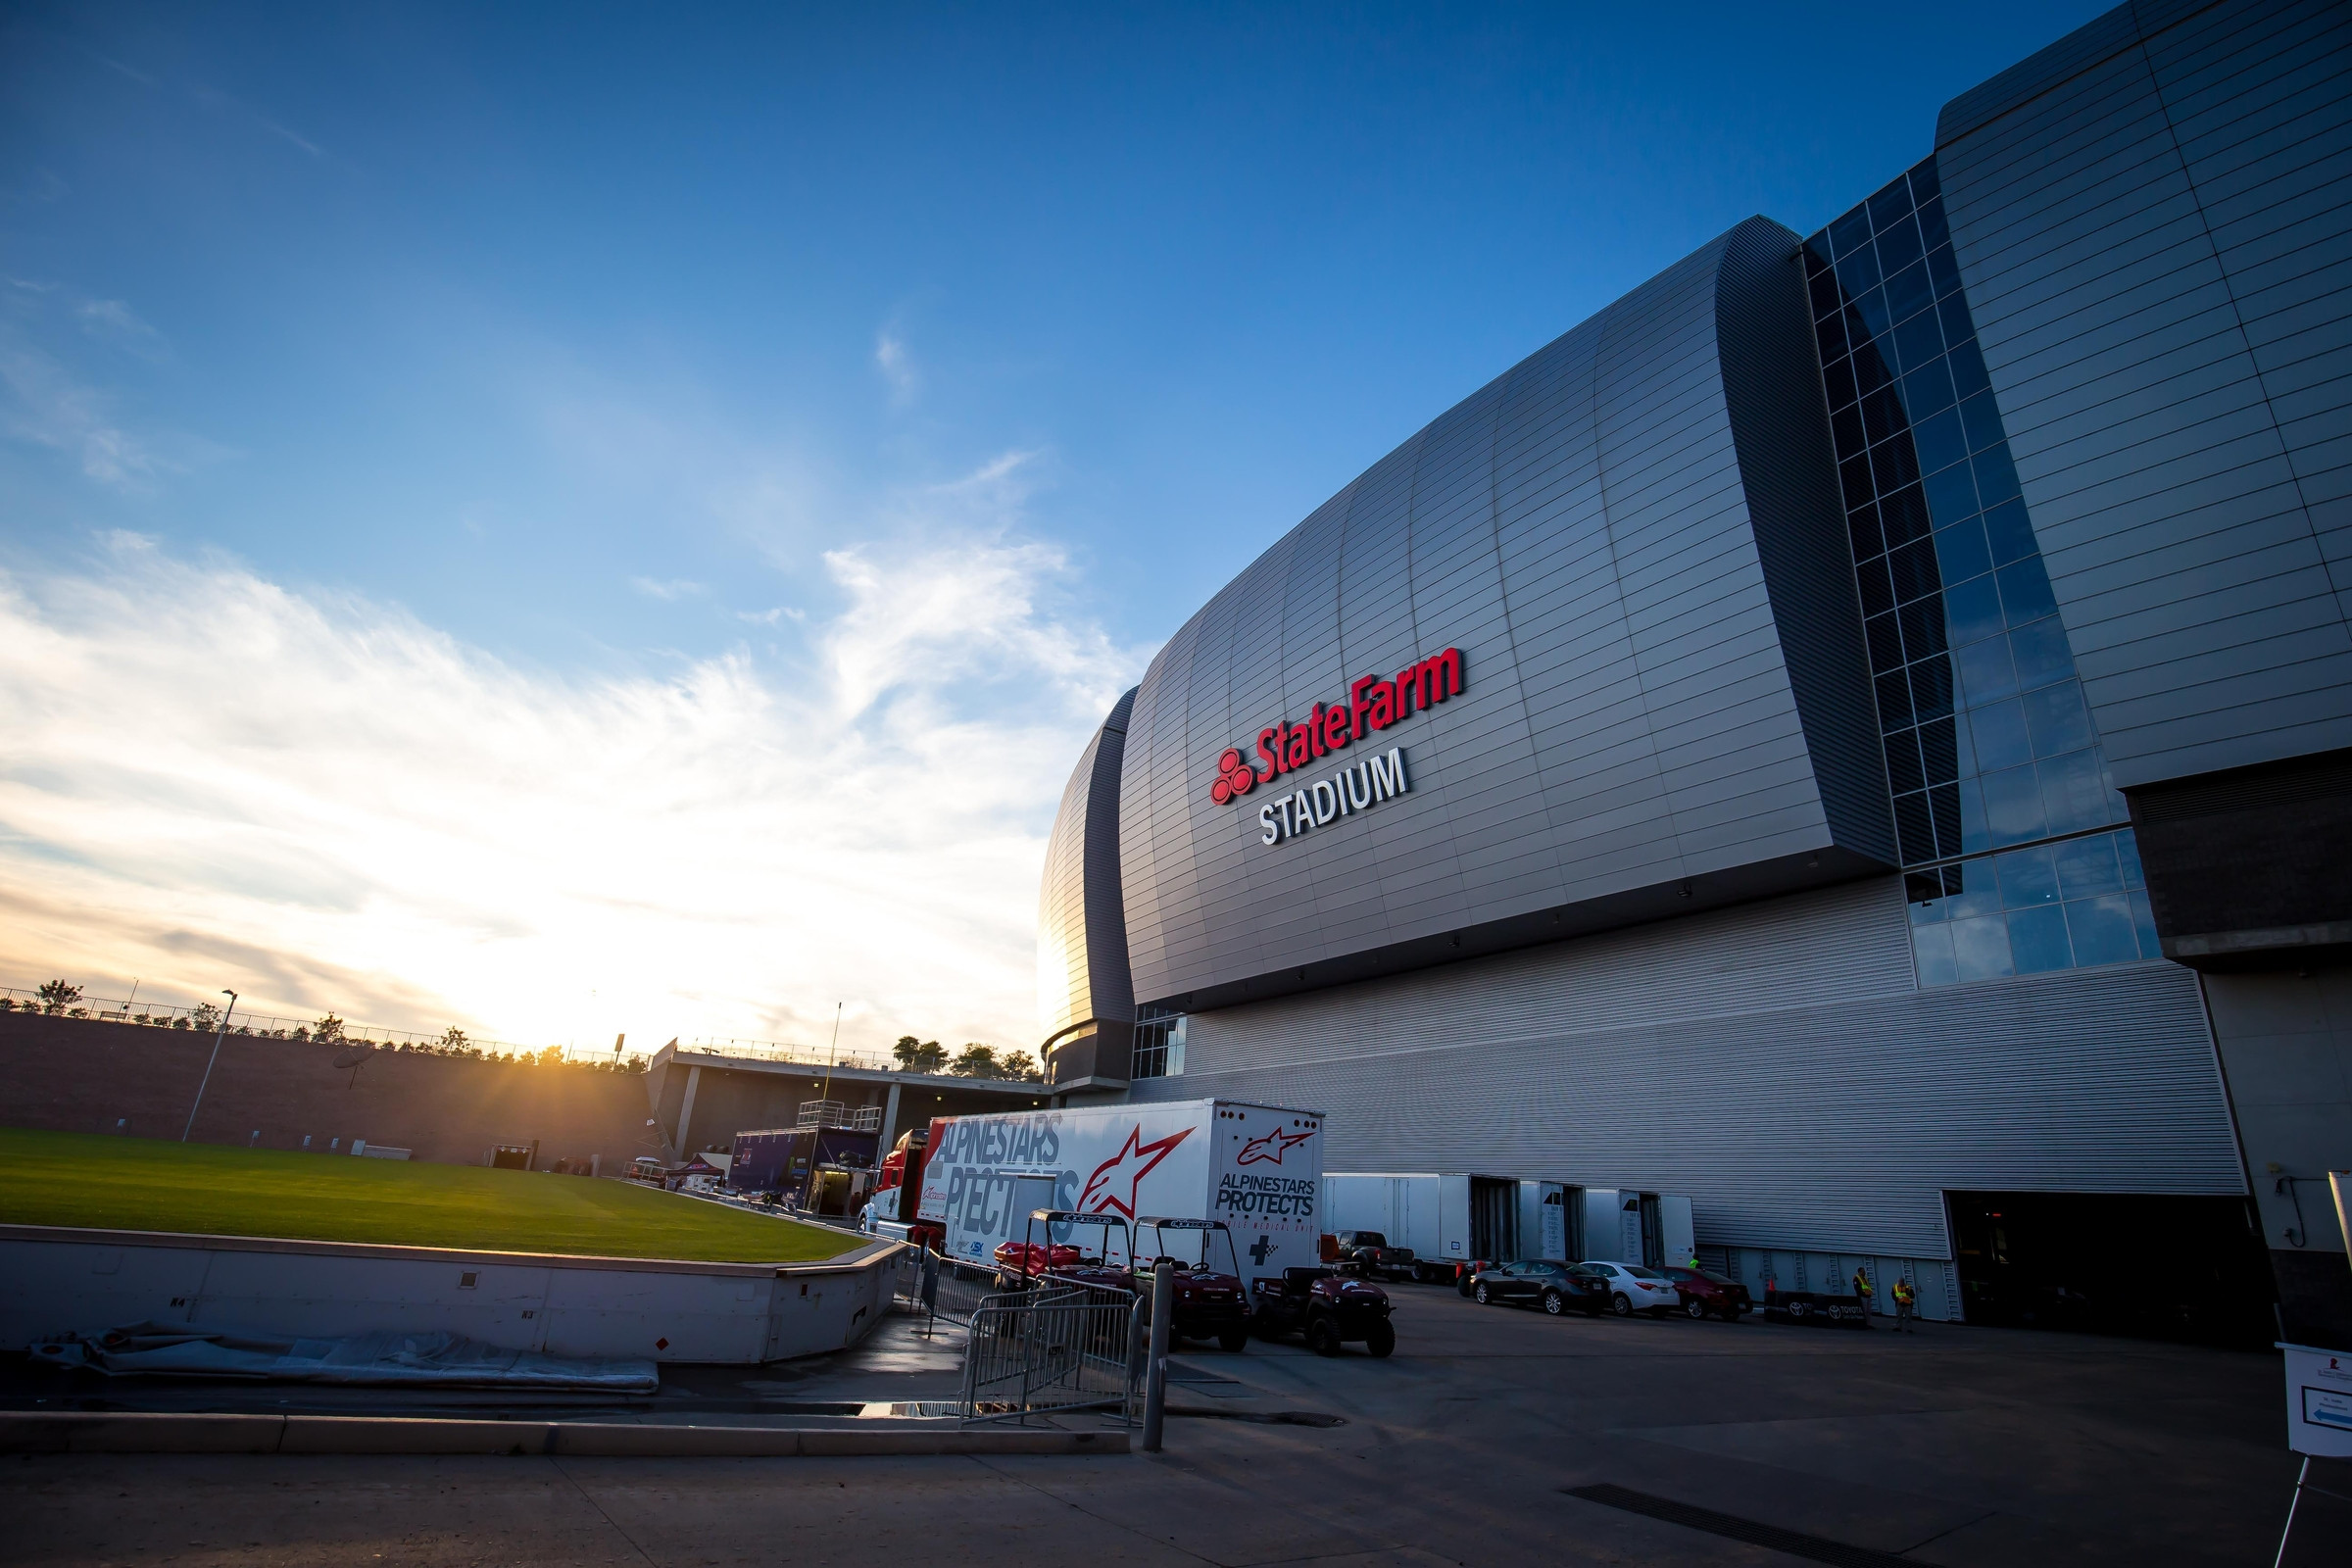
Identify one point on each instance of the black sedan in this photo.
(1554, 1287)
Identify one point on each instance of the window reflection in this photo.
(1989, 746)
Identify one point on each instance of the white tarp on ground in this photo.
(447, 1360)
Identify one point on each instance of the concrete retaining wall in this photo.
(54, 1280)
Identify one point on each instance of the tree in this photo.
(977, 1060)
(453, 1038)
(1021, 1067)
(57, 996)
(328, 1030)
(919, 1055)
(205, 1016)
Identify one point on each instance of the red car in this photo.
(1704, 1295)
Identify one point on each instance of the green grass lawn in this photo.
(139, 1185)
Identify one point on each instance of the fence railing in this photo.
(1053, 1351)
(806, 1055)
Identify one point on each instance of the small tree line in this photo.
(974, 1061)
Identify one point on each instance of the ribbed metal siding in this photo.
(2154, 227)
(1081, 918)
(1579, 529)
(1774, 1063)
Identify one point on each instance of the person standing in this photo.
(1904, 1298)
(1862, 1293)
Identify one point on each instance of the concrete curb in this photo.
(106, 1432)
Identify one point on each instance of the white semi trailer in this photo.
(1450, 1219)
(1259, 1168)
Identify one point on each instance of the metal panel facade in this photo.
(1775, 1063)
(2154, 224)
(1585, 529)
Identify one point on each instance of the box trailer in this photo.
(1452, 1219)
(825, 1170)
(1259, 1168)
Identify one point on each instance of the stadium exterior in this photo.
(1858, 732)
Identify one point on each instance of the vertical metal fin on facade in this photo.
(1084, 992)
(1764, 341)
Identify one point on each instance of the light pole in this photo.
(208, 1067)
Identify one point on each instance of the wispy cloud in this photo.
(897, 365)
(43, 403)
(215, 99)
(670, 592)
(115, 322)
(212, 777)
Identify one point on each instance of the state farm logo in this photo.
(1234, 777)
(1373, 703)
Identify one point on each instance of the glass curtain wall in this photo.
(2007, 821)
(1158, 1043)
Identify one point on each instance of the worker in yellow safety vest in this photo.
(1862, 1293)
(1904, 1298)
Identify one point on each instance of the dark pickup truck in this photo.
(1368, 1255)
(1328, 1308)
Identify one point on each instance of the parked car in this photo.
(1368, 1253)
(1705, 1295)
(1556, 1288)
(1326, 1307)
(1633, 1289)
(1467, 1280)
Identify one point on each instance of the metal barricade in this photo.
(1059, 1348)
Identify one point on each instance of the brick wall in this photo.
(80, 1075)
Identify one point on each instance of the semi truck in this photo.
(1258, 1168)
(1449, 1220)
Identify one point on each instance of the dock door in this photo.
(1493, 1218)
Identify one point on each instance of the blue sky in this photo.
(929, 366)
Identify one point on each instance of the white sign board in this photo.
(2318, 1401)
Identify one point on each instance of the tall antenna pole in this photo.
(208, 1067)
(832, 1050)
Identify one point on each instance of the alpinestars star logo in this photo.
(1132, 1163)
(1269, 1149)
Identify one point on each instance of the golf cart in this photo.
(1326, 1307)
(1210, 1304)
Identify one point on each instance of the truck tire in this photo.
(1323, 1335)
(1383, 1337)
(1234, 1340)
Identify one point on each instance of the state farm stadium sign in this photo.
(1374, 704)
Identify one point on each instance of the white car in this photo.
(1633, 1289)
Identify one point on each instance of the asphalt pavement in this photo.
(1492, 1436)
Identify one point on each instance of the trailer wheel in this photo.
(1383, 1337)
(1234, 1340)
(1323, 1335)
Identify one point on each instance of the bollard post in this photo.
(1156, 1373)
